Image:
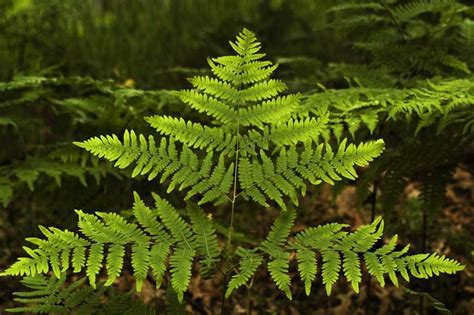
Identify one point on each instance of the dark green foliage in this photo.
(406, 41)
(50, 295)
(241, 133)
(60, 108)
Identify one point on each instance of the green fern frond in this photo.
(216, 88)
(356, 6)
(248, 265)
(343, 250)
(108, 235)
(53, 295)
(339, 250)
(268, 112)
(184, 168)
(279, 257)
(50, 296)
(206, 240)
(263, 179)
(193, 135)
(207, 104)
(307, 267)
(409, 10)
(181, 263)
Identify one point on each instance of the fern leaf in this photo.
(307, 267)
(249, 263)
(140, 263)
(114, 262)
(296, 131)
(94, 262)
(181, 263)
(147, 219)
(206, 240)
(182, 233)
(194, 135)
(209, 105)
(331, 268)
(268, 112)
(173, 305)
(184, 167)
(216, 88)
(263, 90)
(351, 268)
(279, 258)
(158, 254)
(310, 165)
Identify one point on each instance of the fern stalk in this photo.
(236, 167)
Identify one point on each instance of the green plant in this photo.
(253, 146)
(50, 295)
(403, 42)
(61, 108)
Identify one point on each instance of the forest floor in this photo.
(451, 234)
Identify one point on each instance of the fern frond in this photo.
(206, 240)
(273, 245)
(409, 10)
(181, 263)
(193, 135)
(269, 112)
(216, 88)
(106, 237)
(184, 168)
(49, 295)
(170, 217)
(248, 264)
(263, 90)
(262, 179)
(52, 295)
(307, 267)
(207, 104)
(296, 131)
(173, 305)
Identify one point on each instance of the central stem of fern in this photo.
(234, 190)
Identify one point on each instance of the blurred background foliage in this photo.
(147, 40)
(73, 69)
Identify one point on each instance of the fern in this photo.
(251, 120)
(74, 105)
(151, 242)
(264, 177)
(249, 262)
(106, 237)
(51, 295)
(259, 145)
(339, 250)
(446, 104)
(398, 49)
(206, 239)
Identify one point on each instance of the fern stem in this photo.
(223, 294)
(236, 167)
(421, 309)
(372, 218)
(249, 290)
(234, 194)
